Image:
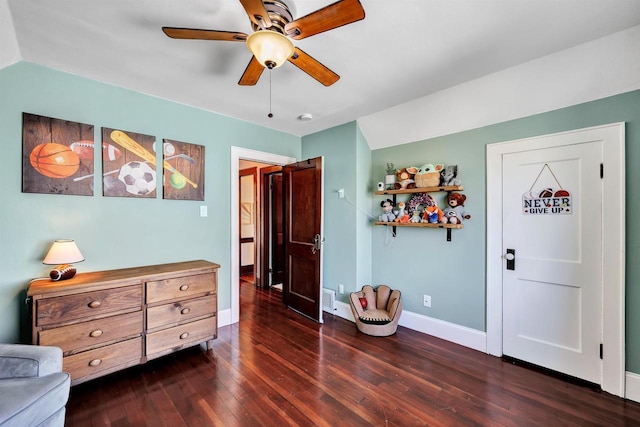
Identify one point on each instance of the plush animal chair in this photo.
(378, 311)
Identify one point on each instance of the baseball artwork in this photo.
(55, 153)
(183, 170)
(128, 164)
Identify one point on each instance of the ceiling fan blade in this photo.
(314, 68)
(257, 13)
(252, 74)
(333, 16)
(192, 33)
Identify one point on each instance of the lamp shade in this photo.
(270, 48)
(63, 252)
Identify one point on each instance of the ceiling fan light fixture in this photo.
(270, 48)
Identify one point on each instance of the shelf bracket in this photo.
(394, 230)
(448, 234)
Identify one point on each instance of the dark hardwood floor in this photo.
(276, 368)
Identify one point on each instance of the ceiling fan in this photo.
(273, 27)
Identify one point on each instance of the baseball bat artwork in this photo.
(128, 143)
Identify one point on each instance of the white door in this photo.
(552, 220)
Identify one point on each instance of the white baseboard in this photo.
(632, 391)
(224, 317)
(343, 310)
(462, 335)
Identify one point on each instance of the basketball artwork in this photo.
(129, 166)
(183, 170)
(55, 153)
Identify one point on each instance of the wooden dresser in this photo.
(106, 321)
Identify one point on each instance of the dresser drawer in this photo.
(180, 311)
(180, 287)
(88, 305)
(101, 359)
(181, 336)
(72, 338)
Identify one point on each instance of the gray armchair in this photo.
(33, 387)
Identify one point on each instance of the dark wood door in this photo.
(272, 255)
(277, 230)
(303, 208)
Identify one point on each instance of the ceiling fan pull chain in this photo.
(270, 115)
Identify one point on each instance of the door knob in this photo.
(510, 256)
(317, 244)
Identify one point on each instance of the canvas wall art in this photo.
(128, 164)
(183, 169)
(56, 155)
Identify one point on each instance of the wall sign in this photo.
(547, 201)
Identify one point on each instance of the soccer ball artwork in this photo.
(138, 178)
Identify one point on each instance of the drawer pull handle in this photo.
(185, 310)
(184, 287)
(95, 304)
(184, 335)
(95, 362)
(95, 333)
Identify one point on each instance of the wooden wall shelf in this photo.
(422, 190)
(418, 224)
(394, 193)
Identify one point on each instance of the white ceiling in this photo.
(402, 50)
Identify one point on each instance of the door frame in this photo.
(238, 153)
(613, 243)
(266, 218)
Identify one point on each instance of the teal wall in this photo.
(112, 232)
(420, 261)
(363, 199)
(346, 230)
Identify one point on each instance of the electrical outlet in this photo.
(340, 288)
(426, 300)
(203, 211)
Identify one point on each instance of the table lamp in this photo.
(62, 254)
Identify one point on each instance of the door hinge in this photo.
(601, 170)
(601, 351)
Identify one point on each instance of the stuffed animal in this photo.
(429, 175)
(449, 175)
(418, 199)
(403, 220)
(416, 216)
(405, 179)
(387, 211)
(455, 213)
(433, 215)
(401, 213)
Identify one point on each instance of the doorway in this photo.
(271, 248)
(248, 194)
(261, 211)
(238, 154)
(610, 139)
